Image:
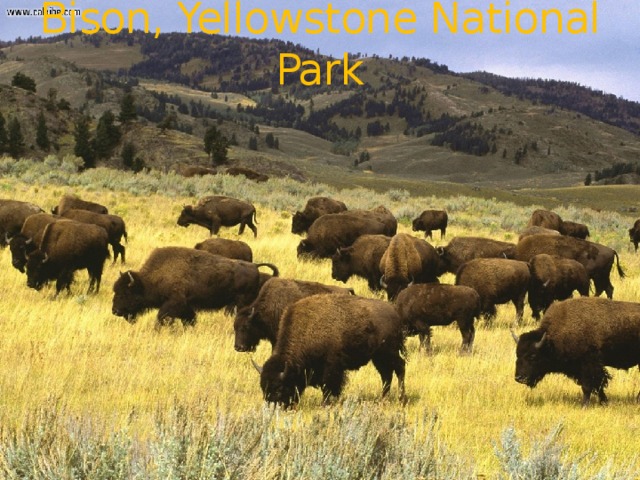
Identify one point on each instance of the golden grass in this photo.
(72, 350)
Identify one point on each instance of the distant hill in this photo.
(413, 118)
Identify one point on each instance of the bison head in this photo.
(281, 383)
(186, 216)
(304, 248)
(418, 225)
(534, 358)
(248, 329)
(300, 223)
(20, 247)
(39, 269)
(341, 264)
(128, 296)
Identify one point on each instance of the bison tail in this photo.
(255, 218)
(276, 272)
(124, 234)
(620, 271)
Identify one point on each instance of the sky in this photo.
(607, 59)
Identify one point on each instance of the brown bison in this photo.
(247, 173)
(178, 281)
(66, 247)
(227, 248)
(573, 229)
(579, 337)
(67, 202)
(497, 281)
(546, 219)
(113, 224)
(422, 306)
(196, 171)
(261, 319)
(537, 231)
(338, 230)
(597, 259)
(634, 234)
(554, 278)
(218, 211)
(361, 259)
(30, 237)
(323, 336)
(13, 213)
(407, 260)
(315, 207)
(462, 249)
(431, 220)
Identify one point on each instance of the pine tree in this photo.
(216, 145)
(23, 81)
(253, 143)
(82, 147)
(107, 135)
(42, 138)
(127, 108)
(16, 139)
(128, 154)
(4, 139)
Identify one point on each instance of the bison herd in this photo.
(319, 332)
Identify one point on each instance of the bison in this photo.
(554, 278)
(597, 259)
(261, 319)
(462, 249)
(29, 238)
(315, 207)
(247, 173)
(338, 230)
(196, 171)
(179, 280)
(422, 306)
(497, 281)
(573, 229)
(546, 219)
(227, 248)
(431, 220)
(534, 230)
(214, 212)
(579, 337)
(407, 260)
(66, 247)
(323, 336)
(13, 213)
(67, 202)
(634, 234)
(361, 259)
(113, 224)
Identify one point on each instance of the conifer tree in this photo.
(42, 137)
(82, 147)
(16, 139)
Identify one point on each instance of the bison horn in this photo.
(513, 334)
(252, 312)
(440, 251)
(256, 366)
(411, 282)
(7, 239)
(131, 279)
(46, 258)
(546, 284)
(28, 241)
(539, 344)
(382, 282)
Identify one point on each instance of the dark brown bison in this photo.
(261, 319)
(497, 281)
(422, 306)
(407, 260)
(227, 248)
(546, 219)
(338, 230)
(462, 249)
(218, 211)
(361, 259)
(579, 337)
(247, 173)
(597, 259)
(13, 213)
(113, 224)
(66, 247)
(634, 234)
(554, 278)
(29, 238)
(537, 231)
(196, 171)
(179, 281)
(430, 220)
(315, 207)
(573, 229)
(67, 202)
(323, 336)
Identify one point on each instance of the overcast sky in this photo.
(608, 59)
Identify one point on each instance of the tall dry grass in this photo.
(84, 391)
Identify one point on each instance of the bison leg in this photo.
(443, 232)
(468, 332)
(177, 309)
(388, 363)
(332, 383)
(425, 341)
(64, 281)
(248, 223)
(518, 302)
(593, 377)
(118, 249)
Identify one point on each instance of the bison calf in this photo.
(323, 336)
(422, 306)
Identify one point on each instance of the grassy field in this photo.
(84, 391)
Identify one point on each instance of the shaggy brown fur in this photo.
(227, 248)
(634, 234)
(30, 237)
(546, 219)
(113, 224)
(67, 202)
(573, 229)
(13, 213)
(315, 208)
(431, 220)
(462, 249)
(361, 259)
(537, 231)
(214, 212)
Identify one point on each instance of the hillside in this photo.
(413, 118)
